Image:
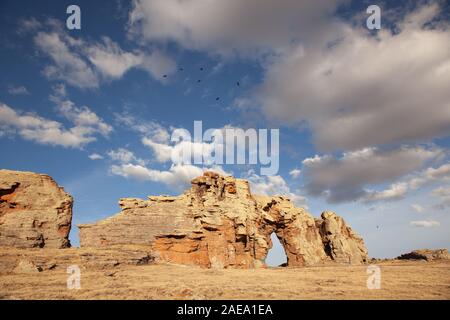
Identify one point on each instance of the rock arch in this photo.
(218, 222)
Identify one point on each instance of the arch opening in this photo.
(276, 256)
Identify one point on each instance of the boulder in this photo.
(34, 211)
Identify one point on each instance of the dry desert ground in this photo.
(399, 280)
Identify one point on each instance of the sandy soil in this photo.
(399, 280)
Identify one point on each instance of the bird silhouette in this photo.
(238, 84)
(217, 99)
(181, 69)
(165, 76)
(198, 81)
(201, 69)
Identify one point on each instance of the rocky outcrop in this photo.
(426, 254)
(31, 260)
(34, 211)
(294, 227)
(340, 242)
(219, 223)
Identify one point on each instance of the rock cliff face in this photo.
(34, 211)
(219, 223)
(340, 242)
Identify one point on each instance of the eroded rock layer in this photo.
(219, 223)
(34, 211)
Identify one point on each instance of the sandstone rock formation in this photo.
(219, 223)
(31, 260)
(34, 211)
(426, 254)
(340, 242)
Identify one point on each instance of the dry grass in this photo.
(400, 280)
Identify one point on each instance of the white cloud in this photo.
(67, 64)
(273, 185)
(83, 117)
(18, 90)
(113, 62)
(362, 90)
(153, 129)
(178, 176)
(417, 208)
(86, 64)
(295, 173)
(425, 223)
(95, 156)
(157, 64)
(35, 128)
(110, 59)
(124, 156)
(394, 192)
(443, 193)
(345, 178)
(430, 175)
(162, 152)
(420, 179)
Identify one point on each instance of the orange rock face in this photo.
(219, 223)
(34, 211)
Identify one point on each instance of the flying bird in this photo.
(199, 80)
(181, 69)
(238, 84)
(217, 99)
(201, 69)
(165, 76)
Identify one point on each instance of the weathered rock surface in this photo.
(340, 242)
(33, 260)
(219, 223)
(426, 254)
(34, 211)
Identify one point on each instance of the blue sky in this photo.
(364, 116)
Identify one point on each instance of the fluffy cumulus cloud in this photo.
(86, 64)
(178, 176)
(232, 26)
(273, 185)
(351, 88)
(30, 126)
(66, 64)
(346, 178)
(125, 156)
(157, 138)
(363, 90)
(84, 117)
(430, 175)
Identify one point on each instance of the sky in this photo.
(363, 115)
